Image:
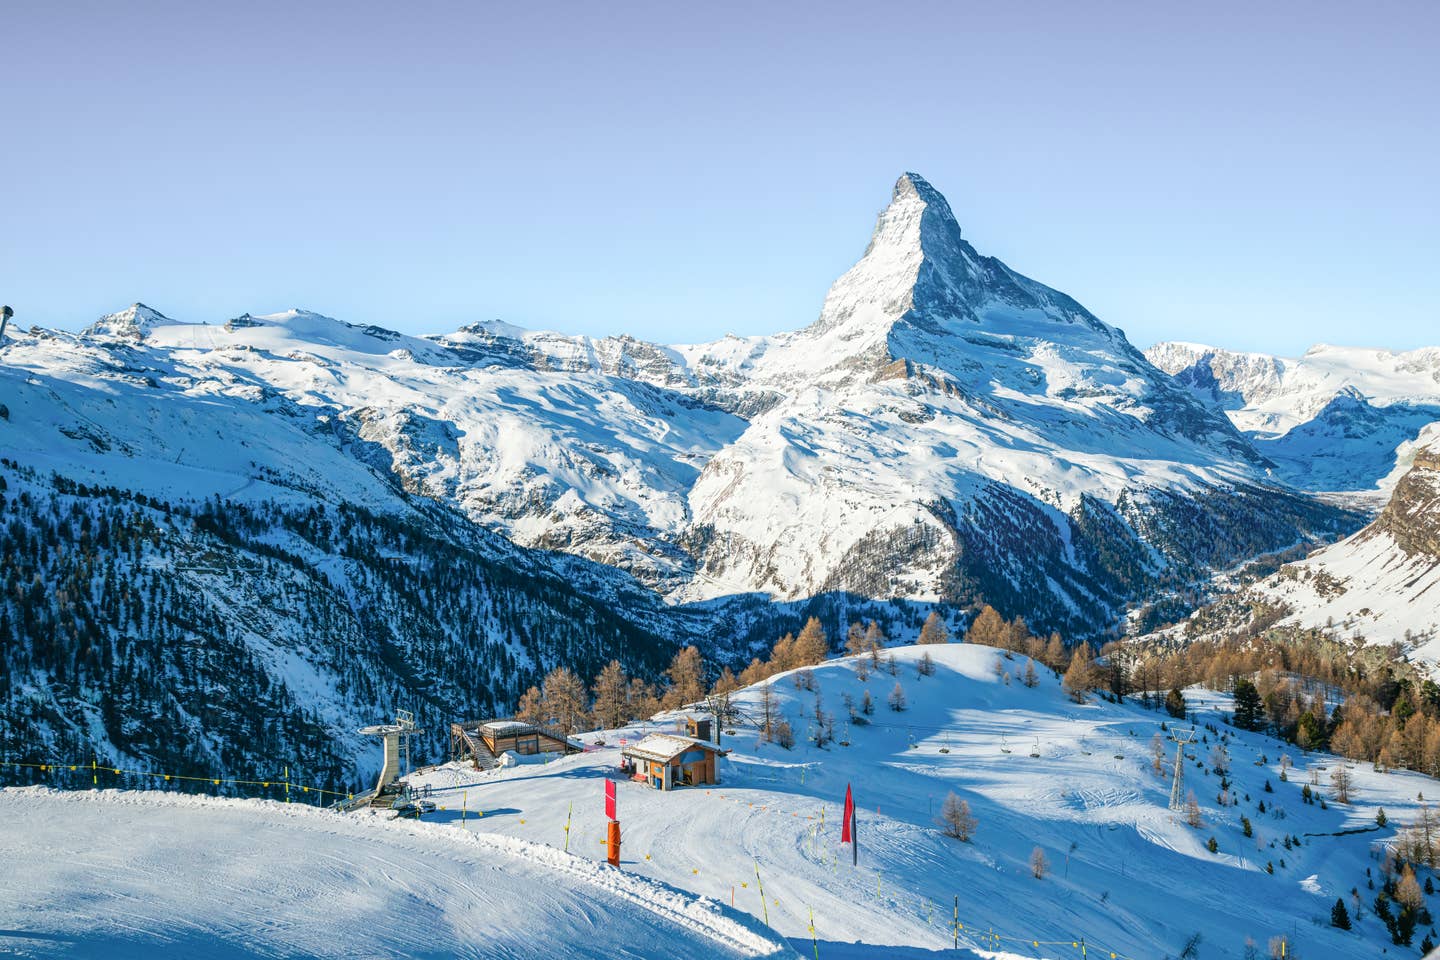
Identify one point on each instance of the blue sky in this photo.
(1257, 175)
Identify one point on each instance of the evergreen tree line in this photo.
(1364, 703)
(213, 639)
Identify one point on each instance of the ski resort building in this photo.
(666, 760)
(483, 741)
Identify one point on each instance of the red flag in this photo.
(610, 799)
(848, 816)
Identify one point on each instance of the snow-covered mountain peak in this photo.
(921, 291)
(133, 323)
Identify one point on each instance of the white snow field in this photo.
(115, 874)
(105, 873)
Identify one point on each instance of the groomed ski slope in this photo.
(1125, 873)
(144, 875)
(1139, 881)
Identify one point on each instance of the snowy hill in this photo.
(168, 875)
(1335, 419)
(1091, 800)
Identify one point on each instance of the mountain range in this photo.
(331, 519)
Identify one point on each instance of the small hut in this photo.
(665, 760)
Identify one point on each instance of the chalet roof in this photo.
(664, 747)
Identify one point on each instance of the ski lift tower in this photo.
(390, 771)
(396, 737)
(5, 314)
(1181, 738)
(405, 720)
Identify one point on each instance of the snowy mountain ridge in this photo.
(1337, 419)
(1380, 586)
(946, 430)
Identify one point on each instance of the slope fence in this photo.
(281, 787)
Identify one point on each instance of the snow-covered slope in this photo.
(1125, 874)
(132, 875)
(1382, 583)
(1332, 420)
(1090, 801)
(946, 430)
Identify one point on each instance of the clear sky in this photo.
(1259, 175)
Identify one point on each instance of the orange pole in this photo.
(612, 841)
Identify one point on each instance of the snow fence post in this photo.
(567, 826)
(761, 884)
(813, 940)
(957, 921)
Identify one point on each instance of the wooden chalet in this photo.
(483, 741)
(666, 760)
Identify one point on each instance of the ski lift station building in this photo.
(485, 740)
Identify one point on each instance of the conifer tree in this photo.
(1340, 780)
(1248, 707)
(563, 701)
(755, 672)
(1054, 652)
(987, 628)
(1039, 865)
(956, 818)
(687, 678)
(855, 639)
(1030, 679)
(529, 706)
(934, 629)
(1192, 809)
(641, 697)
(1407, 891)
(897, 700)
(726, 683)
(1175, 703)
(612, 706)
(874, 638)
(1339, 916)
(1080, 677)
(811, 646)
(782, 655)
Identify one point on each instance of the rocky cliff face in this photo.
(1412, 517)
